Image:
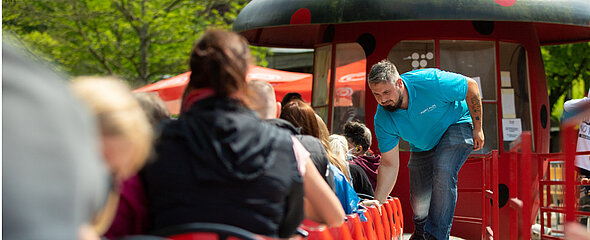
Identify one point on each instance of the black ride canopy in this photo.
(556, 21)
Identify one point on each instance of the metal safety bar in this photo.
(489, 222)
(568, 177)
(520, 201)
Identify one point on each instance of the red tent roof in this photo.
(350, 77)
(170, 90)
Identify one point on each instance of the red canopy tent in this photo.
(350, 77)
(170, 90)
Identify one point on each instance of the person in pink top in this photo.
(131, 217)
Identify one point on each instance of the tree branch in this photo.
(100, 58)
(132, 61)
(166, 10)
(127, 14)
(168, 41)
(565, 80)
(92, 66)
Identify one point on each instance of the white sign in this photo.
(508, 107)
(511, 129)
(505, 77)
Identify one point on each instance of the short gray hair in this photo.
(262, 98)
(383, 71)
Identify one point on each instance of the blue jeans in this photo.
(433, 181)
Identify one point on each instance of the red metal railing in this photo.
(487, 230)
(489, 220)
(545, 192)
(568, 180)
(520, 199)
(529, 189)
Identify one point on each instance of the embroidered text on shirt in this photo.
(429, 109)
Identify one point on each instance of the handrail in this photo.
(467, 219)
(570, 190)
(514, 203)
(569, 136)
(520, 199)
(526, 181)
(560, 154)
(486, 193)
(493, 194)
(562, 210)
(566, 157)
(489, 224)
(556, 182)
(545, 236)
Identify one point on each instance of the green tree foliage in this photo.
(567, 69)
(138, 40)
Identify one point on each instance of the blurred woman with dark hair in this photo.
(220, 163)
(300, 114)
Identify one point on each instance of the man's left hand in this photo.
(478, 139)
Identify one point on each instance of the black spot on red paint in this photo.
(483, 27)
(503, 195)
(505, 3)
(328, 34)
(368, 42)
(543, 116)
(301, 16)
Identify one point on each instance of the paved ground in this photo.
(407, 236)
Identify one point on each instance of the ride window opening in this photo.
(476, 59)
(349, 88)
(321, 80)
(412, 55)
(514, 85)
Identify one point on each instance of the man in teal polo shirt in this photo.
(439, 114)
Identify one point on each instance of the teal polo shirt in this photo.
(436, 101)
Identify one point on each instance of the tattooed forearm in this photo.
(473, 100)
(476, 106)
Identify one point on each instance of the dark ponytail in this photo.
(219, 60)
(358, 134)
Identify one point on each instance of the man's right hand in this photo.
(387, 174)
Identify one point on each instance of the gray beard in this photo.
(396, 106)
(391, 108)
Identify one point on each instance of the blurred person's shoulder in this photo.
(55, 180)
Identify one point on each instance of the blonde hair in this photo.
(339, 146)
(119, 115)
(324, 135)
